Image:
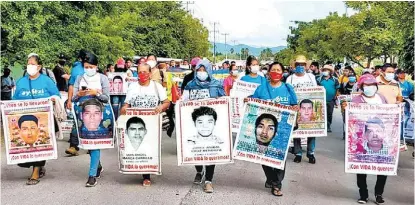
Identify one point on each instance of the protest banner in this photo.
(29, 132)
(118, 83)
(408, 119)
(372, 138)
(243, 89)
(312, 114)
(203, 132)
(343, 98)
(176, 76)
(265, 133)
(237, 105)
(139, 142)
(95, 124)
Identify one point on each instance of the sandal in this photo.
(42, 172)
(276, 192)
(146, 182)
(32, 181)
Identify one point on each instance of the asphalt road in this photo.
(240, 183)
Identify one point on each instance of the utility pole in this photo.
(187, 4)
(234, 47)
(226, 47)
(214, 40)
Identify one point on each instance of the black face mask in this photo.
(6, 74)
(62, 63)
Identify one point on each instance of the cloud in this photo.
(260, 22)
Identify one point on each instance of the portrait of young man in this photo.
(204, 119)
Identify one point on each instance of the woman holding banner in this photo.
(96, 86)
(204, 86)
(278, 92)
(370, 95)
(35, 86)
(147, 94)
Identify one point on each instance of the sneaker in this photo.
(99, 172)
(311, 159)
(268, 184)
(379, 199)
(329, 129)
(208, 187)
(362, 201)
(72, 151)
(297, 159)
(198, 178)
(146, 182)
(92, 181)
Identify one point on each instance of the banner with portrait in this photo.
(408, 119)
(312, 115)
(343, 98)
(265, 133)
(95, 124)
(237, 106)
(203, 132)
(29, 132)
(372, 138)
(243, 89)
(139, 142)
(118, 83)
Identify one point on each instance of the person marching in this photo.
(228, 82)
(203, 86)
(278, 92)
(35, 86)
(252, 70)
(146, 94)
(301, 79)
(370, 95)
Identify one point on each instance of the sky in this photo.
(259, 22)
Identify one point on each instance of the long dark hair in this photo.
(249, 63)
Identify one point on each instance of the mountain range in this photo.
(256, 51)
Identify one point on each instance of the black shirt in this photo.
(189, 77)
(60, 81)
(346, 89)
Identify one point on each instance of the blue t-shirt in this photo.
(407, 88)
(331, 85)
(77, 69)
(41, 87)
(259, 79)
(284, 94)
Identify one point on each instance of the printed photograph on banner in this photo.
(203, 132)
(408, 119)
(139, 138)
(95, 124)
(265, 134)
(237, 105)
(372, 140)
(343, 98)
(28, 131)
(118, 83)
(311, 117)
(243, 89)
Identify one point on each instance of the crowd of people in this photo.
(277, 83)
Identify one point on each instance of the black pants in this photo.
(74, 141)
(210, 170)
(330, 108)
(170, 115)
(32, 164)
(275, 176)
(344, 125)
(6, 95)
(379, 187)
(146, 176)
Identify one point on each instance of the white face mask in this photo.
(32, 70)
(264, 72)
(90, 72)
(370, 90)
(202, 75)
(254, 69)
(152, 63)
(389, 76)
(235, 72)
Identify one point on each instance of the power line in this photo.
(187, 5)
(226, 47)
(214, 40)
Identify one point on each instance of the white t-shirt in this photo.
(145, 96)
(307, 80)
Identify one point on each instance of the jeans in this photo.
(170, 114)
(117, 101)
(344, 124)
(146, 176)
(311, 145)
(330, 108)
(379, 187)
(210, 170)
(95, 157)
(32, 164)
(6, 95)
(274, 175)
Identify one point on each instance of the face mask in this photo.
(143, 77)
(370, 90)
(299, 69)
(202, 75)
(264, 72)
(235, 73)
(352, 79)
(325, 73)
(389, 76)
(32, 70)
(285, 74)
(254, 69)
(275, 76)
(133, 68)
(90, 72)
(152, 63)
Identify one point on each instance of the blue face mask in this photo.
(285, 74)
(352, 79)
(299, 69)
